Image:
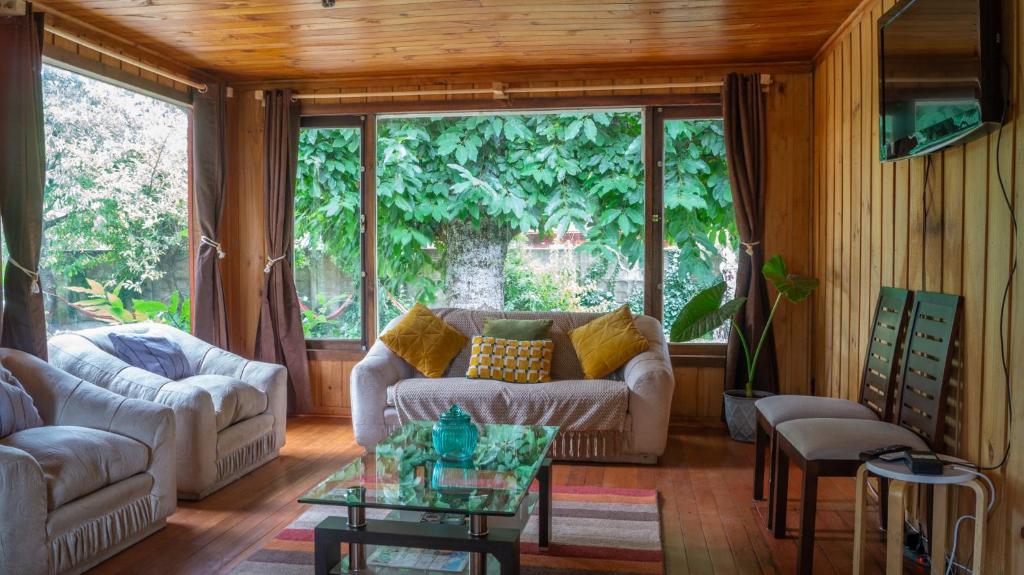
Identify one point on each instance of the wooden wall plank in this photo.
(940, 224)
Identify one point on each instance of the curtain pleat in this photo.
(279, 336)
(208, 172)
(22, 179)
(743, 121)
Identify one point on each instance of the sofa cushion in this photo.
(233, 399)
(510, 360)
(152, 353)
(425, 341)
(822, 439)
(77, 461)
(519, 329)
(593, 405)
(779, 409)
(17, 411)
(607, 343)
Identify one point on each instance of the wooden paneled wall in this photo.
(938, 224)
(699, 389)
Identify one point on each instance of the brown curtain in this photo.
(208, 168)
(279, 336)
(743, 120)
(22, 177)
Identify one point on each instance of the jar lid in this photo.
(455, 415)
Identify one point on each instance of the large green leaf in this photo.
(793, 286)
(704, 313)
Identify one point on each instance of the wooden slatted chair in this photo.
(888, 327)
(832, 447)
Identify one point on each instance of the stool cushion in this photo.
(782, 408)
(821, 439)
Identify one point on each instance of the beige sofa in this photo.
(97, 478)
(230, 416)
(623, 418)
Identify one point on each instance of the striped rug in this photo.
(594, 530)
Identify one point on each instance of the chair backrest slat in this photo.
(927, 364)
(878, 380)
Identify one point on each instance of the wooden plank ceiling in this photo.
(288, 39)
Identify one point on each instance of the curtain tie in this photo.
(749, 247)
(34, 276)
(271, 262)
(214, 245)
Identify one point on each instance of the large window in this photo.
(536, 212)
(539, 211)
(115, 207)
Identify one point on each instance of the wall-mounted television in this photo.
(939, 74)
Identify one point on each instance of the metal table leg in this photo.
(478, 529)
(544, 481)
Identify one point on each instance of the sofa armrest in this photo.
(23, 513)
(371, 377)
(270, 378)
(651, 385)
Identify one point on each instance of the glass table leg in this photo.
(357, 520)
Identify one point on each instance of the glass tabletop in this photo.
(405, 472)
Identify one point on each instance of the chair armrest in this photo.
(371, 377)
(23, 514)
(651, 385)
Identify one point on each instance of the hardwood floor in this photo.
(709, 523)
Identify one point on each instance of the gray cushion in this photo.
(17, 411)
(233, 399)
(77, 461)
(152, 353)
(821, 439)
(782, 408)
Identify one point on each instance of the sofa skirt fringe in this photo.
(587, 444)
(246, 456)
(85, 542)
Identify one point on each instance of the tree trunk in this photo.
(475, 263)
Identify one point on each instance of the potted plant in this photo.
(706, 311)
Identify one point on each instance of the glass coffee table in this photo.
(444, 517)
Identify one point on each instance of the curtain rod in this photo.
(500, 91)
(56, 31)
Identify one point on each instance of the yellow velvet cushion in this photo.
(607, 343)
(425, 341)
(511, 360)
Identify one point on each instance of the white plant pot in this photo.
(740, 415)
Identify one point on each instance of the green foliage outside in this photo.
(115, 205)
(466, 196)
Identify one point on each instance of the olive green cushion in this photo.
(520, 329)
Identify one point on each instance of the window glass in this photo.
(328, 263)
(539, 211)
(115, 213)
(700, 225)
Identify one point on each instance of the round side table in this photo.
(902, 479)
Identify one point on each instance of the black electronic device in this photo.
(939, 74)
(923, 462)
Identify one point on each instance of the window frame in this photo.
(655, 109)
(367, 190)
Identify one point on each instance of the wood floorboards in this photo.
(709, 523)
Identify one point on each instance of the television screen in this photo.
(939, 74)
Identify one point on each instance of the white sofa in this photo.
(95, 479)
(623, 418)
(230, 416)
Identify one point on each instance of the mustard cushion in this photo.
(425, 341)
(607, 343)
(511, 360)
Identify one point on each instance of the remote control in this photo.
(875, 453)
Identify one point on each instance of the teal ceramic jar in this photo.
(455, 435)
